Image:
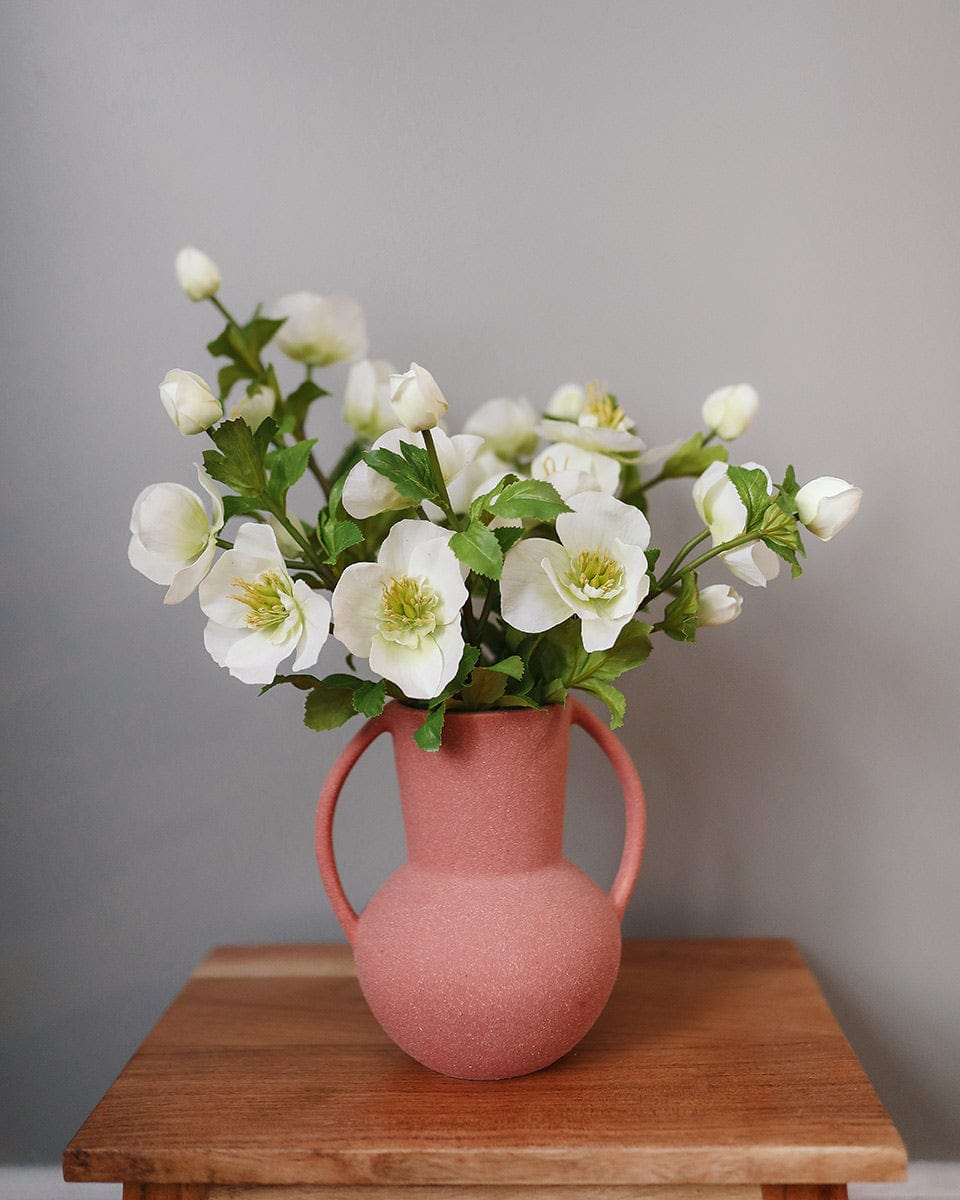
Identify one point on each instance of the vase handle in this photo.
(326, 807)
(636, 809)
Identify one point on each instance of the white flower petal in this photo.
(356, 607)
(155, 569)
(449, 640)
(187, 579)
(755, 564)
(402, 540)
(597, 521)
(528, 599)
(417, 671)
(435, 561)
(255, 658)
(315, 615)
(597, 633)
(218, 641)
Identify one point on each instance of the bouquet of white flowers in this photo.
(494, 568)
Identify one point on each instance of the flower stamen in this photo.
(408, 610)
(603, 411)
(263, 597)
(595, 574)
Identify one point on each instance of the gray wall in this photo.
(669, 197)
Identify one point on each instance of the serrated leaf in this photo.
(428, 737)
(370, 697)
(555, 692)
(515, 701)
(240, 462)
(692, 458)
(286, 466)
(468, 660)
(412, 480)
(631, 649)
(484, 689)
(612, 697)
(482, 503)
(508, 535)
(533, 499)
(238, 506)
(680, 615)
(512, 666)
(751, 485)
(478, 549)
(337, 536)
(304, 683)
(328, 708)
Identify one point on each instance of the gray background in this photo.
(669, 197)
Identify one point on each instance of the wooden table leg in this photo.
(796, 1191)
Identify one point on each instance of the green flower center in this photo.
(408, 610)
(267, 599)
(595, 573)
(604, 409)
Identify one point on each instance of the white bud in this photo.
(567, 402)
(189, 402)
(255, 408)
(826, 505)
(730, 410)
(718, 604)
(366, 399)
(508, 427)
(320, 330)
(197, 273)
(416, 399)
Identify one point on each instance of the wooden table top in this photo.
(714, 1062)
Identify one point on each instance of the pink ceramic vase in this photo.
(487, 954)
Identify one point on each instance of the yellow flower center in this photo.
(604, 409)
(263, 599)
(596, 574)
(408, 610)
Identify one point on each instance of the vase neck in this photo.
(491, 799)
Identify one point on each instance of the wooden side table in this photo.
(716, 1072)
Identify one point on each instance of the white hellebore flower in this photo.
(597, 571)
(366, 399)
(725, 515)
(367, 492)
(601, 425)
(508, 427)
(320, 330)
(173, 541)
(258, 615)
(416, 399)
(730, 410)
(403, 611)
(254, 408)
(189, 402)
(718, 604)
(571, 469)
(567, 402)
(827, 505)
(197, 274)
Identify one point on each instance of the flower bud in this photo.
(718, 604)
(416, 399)
(255, 408)
(366, 399)
(567, 402)
(730, 410)
(190, 404)
(827, 504)
(320, 330)
(197, 274)
(508, 427)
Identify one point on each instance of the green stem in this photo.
(695, 541)
(743, 539)
(310, 555)
(442, 494)
(300, 433)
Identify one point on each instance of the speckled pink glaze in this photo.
(487, 954)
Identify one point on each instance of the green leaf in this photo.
(369, 698)
(512, 666)
(240, 462)
(515, 701)
(477, 547)
(221, 346)
(612, 697)
(229, 375)
(631, 649)
(304, 683)
(680, 615)
(412, 479)
(752, 487)
(286, 466)
(484, 689)
(528, 498)
(259, 331)
(328, 707)
(429, 735)
(301, 398)
(692, 458)
(482, 503)
(468, 660)
(238, 506)
(337, 536)
(508, 535)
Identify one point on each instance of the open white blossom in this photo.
(320, 330)
(600, 425)
(403, 611)
(597, 571)
(189, 402)
(254, 408)
(718, 604)
(366, 399)
(730, 410)
(367, 492)
(197, 273)
(257, 615)
(508, 427)
(572, 469)
(567, 402)
(725, 515)
(416, 399)
(827, 505)
(173, 541)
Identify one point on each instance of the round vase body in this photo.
(487, 954)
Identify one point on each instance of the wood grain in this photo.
(715, 1062)
(693, 1191)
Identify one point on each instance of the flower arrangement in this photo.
(494, 568)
